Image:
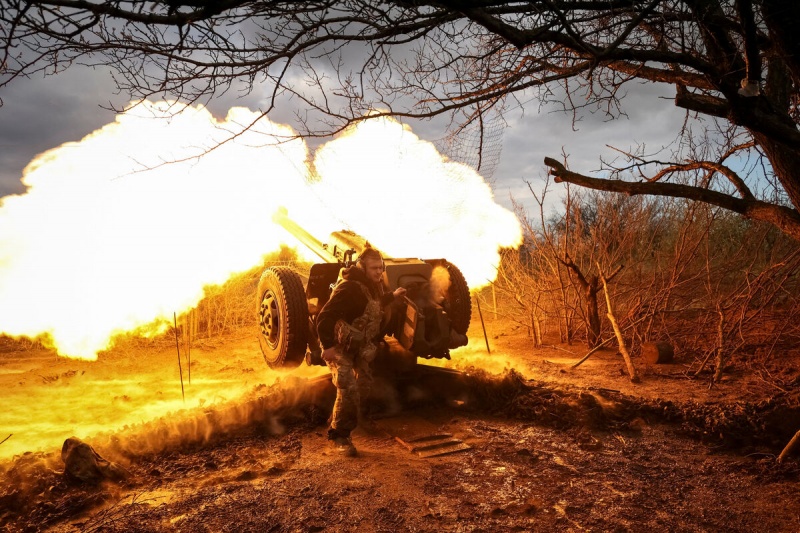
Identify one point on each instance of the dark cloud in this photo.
(42, 113)
(650, 118)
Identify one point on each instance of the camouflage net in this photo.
(477, 144)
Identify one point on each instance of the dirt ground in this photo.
(550, 448)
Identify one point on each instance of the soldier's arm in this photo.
(391, 297)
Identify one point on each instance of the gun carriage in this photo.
(428, 323)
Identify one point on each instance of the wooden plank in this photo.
(444, 451)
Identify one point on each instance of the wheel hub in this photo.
(270, 319)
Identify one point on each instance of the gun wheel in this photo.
(458, 298)
(282, 318)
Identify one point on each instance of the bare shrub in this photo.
(718, 287)
(231, 306)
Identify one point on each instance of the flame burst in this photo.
(410, 201)
(118, 231)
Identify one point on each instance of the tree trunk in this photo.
(720, 355)
(789, 447)
(781, 18)
(590, 288)
(786, 164)
(592, 314)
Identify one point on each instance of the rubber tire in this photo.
(282, 318)
(459, 301)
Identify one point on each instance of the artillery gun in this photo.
(428, 323)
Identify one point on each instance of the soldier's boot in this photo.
(344, 446)
(314, 358)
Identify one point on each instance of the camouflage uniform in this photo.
(351, 323)
(350, 371)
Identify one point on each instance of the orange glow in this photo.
(125, 227)
(47, 400)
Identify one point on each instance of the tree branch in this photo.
(676, 76)
(701, 103)
(787, 219)
(732, 176)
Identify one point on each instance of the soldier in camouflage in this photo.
(349, 328)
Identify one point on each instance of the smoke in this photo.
(264, 409)
(123, 228)
(440, 283)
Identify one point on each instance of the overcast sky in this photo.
(42, 113)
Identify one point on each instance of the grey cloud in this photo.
(651, 119)
(42, 113)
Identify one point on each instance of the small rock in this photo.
(83, 464)
(522, 508)
(246, 475)
(637, 424)
(275, 470)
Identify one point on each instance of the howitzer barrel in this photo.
(344, 245)
(281, 217)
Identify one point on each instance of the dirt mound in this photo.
(767, 424)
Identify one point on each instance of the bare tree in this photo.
(734, 63)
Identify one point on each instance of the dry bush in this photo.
(709, 282)
(232, 305)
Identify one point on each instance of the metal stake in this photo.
(177, 347)
(480, 314)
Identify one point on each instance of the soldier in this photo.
(349, 328)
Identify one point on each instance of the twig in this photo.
(771, 383)
(585, 357)
(554, 347)
(187, 345)
(603, 389)
(109, 516)
(177, 347)
(189, 349)
(5, 439)
(703, 365)
(789, 447)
